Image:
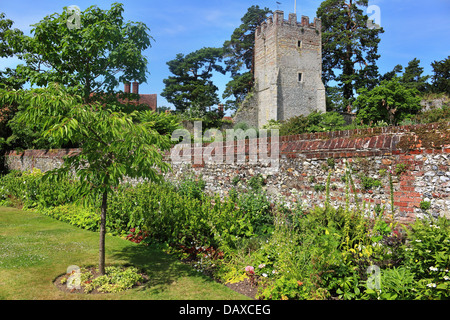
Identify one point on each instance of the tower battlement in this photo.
(287, 70)
(277, 20)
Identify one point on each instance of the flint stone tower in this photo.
(287, 70)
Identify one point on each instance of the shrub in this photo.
(85, 218)
(427, 255)
(390, 101)
(31, 191)
(369, 183)
(192, 187)
(314, 122)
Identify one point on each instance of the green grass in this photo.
(36, 249)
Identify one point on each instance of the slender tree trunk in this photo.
(101, 265)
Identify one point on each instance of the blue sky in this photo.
(413, 28)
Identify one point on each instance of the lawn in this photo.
(36, 249)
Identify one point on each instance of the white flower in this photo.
(262, 265)
(264, 275)
(446, 278)
(434, 269)
(417, 240)
(431, 285)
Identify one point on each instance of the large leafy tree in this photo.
(239, 56)
(96, 57)
(114, 145)
(191, 86)
(350, 46)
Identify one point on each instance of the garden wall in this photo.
(418, 158)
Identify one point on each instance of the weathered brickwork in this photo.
(418, 174)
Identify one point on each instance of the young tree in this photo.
(239, 55)
(191, 85)
(102, 53)
(350, 47)
(114, 145)
(441, 76)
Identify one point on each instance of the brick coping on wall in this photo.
(319, 145)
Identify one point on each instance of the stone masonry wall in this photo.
(418, 157)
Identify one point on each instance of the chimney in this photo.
(127, 86)
(135, 87)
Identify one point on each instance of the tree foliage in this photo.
(191, 85)
(104, 52)
(314, 122)
(390, 102)
(350, 47)
(239, 55)
(441, 76)
(412, 76)
(8, 77)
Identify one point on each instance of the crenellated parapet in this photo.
(277, 20)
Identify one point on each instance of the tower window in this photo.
(300, 77)
(299, 43)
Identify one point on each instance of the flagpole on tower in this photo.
(295, 7)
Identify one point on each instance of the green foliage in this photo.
(331, 163)
(191, 87)
(390, 101)
(427, 255)
(441, 76)
(369, 183)
(397, 284)
(115, 279)
(114, 145)
(412, 77)
(294, 254)
(8, 77)
(433, 115)
(285, 288)
(319, 187)
(238, 56)
(192, 187)
(87, 58)
(400, 168)
(28, 190)
(425, 205)
(348, 43)
(76, 215)
(314, 122)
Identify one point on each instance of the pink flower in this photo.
(250, 269)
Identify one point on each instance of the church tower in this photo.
(287, 69)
